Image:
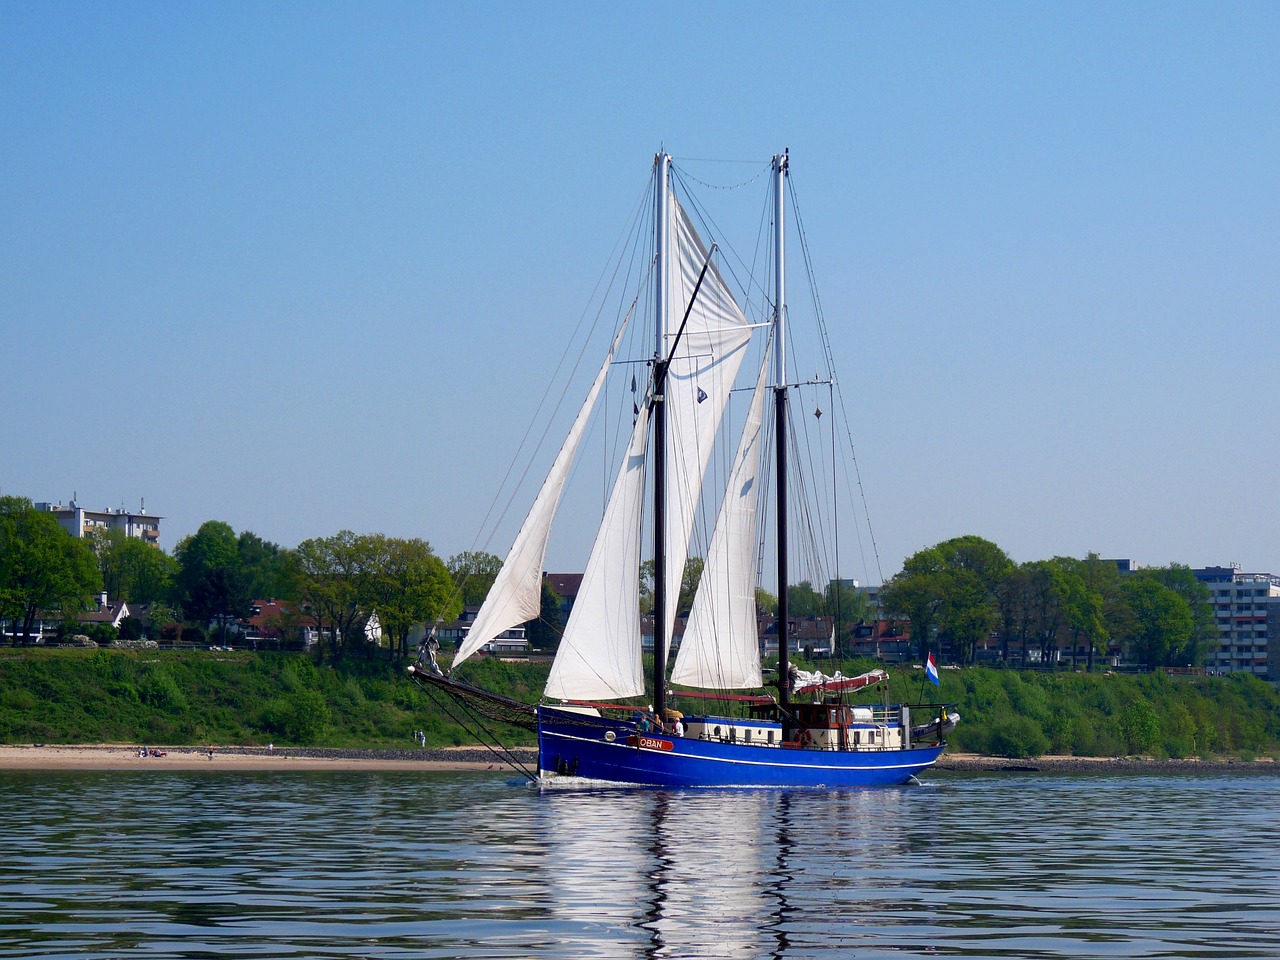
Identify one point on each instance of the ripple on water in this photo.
(398, 865)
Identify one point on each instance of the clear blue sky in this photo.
(292, 265)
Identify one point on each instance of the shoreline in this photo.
(125, 757)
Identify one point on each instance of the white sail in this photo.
(599, 654)
(516, 594)
(701, 375)
(720, 649)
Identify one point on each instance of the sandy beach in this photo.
(126, 757)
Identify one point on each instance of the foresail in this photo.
(720, 649)
(599, 654)
(699, 379)
(516, 594)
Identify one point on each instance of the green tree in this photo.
(1204, 631)
(1085, 605)
(804, 601)
(413, 586)
(545, 632)
(268, 569)
(766, 603)
(953, 587)
(1103, 578)
(210, 580)
(42, 568)
(689, 581)
(132, 570)
(339, 580)
(1141, 726)
(847, 606)
(474, 572)
(1163, 622)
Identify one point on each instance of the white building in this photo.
(79, 522)
(1246, 609)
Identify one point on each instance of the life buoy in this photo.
(805, 738)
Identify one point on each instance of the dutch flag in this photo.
(931, 671)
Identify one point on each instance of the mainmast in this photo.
(662, 199)
(780, 424)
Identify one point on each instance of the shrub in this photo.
(1017, 737)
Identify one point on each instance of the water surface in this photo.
(149, 864)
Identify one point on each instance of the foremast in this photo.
(662, 199)
(780, 165)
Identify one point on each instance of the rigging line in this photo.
(500, 751)
(818, 503)
(835, 532)
(632, 229)
(812, 562)
(712, 229)
(730, 186)
(839, 392)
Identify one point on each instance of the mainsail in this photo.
(720, 649)
(599, 654)
(699, 379)
(516, 594)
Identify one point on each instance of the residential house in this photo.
(276, 624)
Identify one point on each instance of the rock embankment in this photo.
(974, 762)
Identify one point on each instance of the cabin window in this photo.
(770, 736)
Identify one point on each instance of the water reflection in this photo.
(468, 865)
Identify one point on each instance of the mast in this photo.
(661, 227)
(780, 425)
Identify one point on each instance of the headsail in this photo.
(599, 654)
(720, 649)
(516, 594)
(700, 376)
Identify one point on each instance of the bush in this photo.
(1141, 726)
(1017, 737)
(300, 717)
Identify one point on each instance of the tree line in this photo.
(959, 594)
(212, 577)
(965, 592)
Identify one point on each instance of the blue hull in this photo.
(599, 748)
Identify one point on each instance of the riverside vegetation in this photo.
(195, 697)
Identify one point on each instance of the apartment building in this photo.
(1246, 610)
(79, 522)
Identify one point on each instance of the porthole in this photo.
(610, 736)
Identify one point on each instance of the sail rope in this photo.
(477, 728)
(825, 336)
(626, 240)
(729, 186)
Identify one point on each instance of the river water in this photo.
(150, 864)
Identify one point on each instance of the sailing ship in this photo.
(808, 732)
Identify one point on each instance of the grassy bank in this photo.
(192, 697)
